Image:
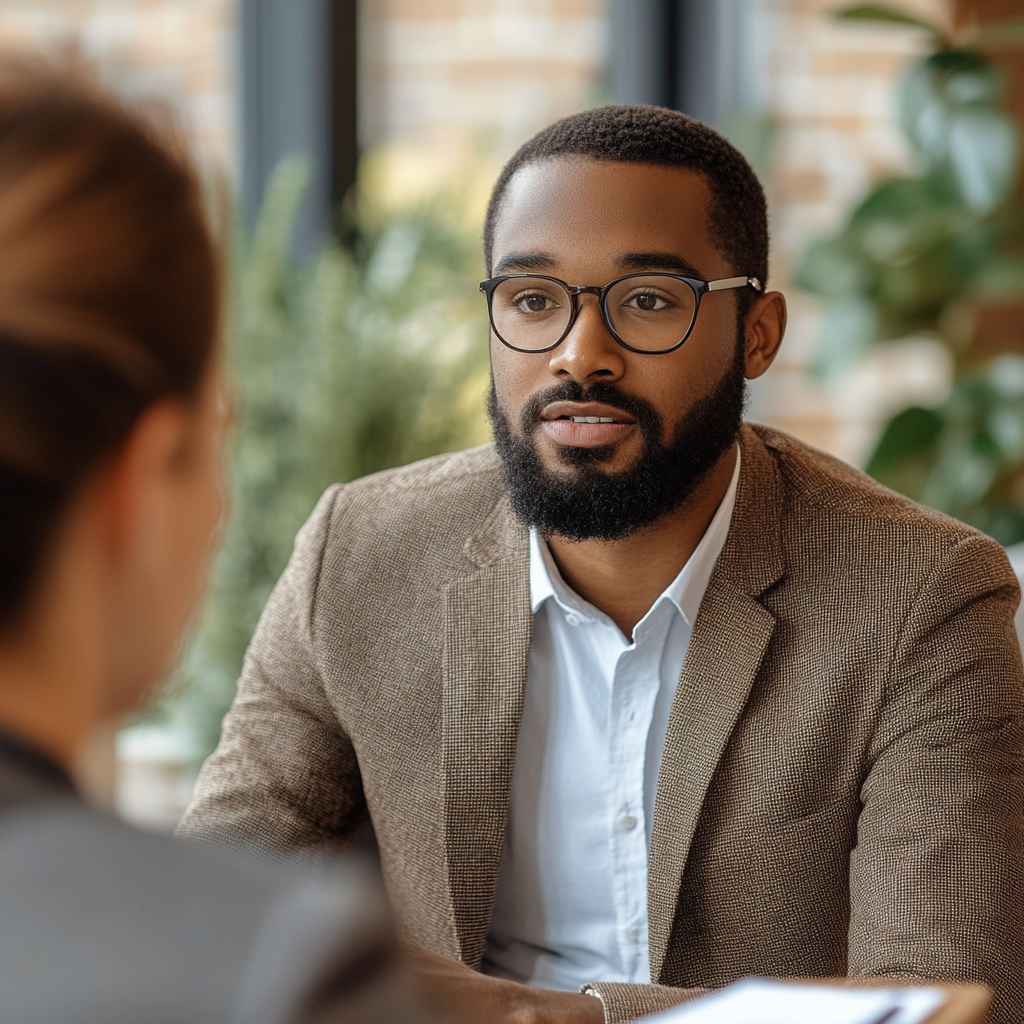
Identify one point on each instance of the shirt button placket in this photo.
(628, 844)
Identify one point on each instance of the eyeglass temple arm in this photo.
(724, 283)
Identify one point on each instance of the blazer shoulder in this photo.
(820, 486)
(440, 500)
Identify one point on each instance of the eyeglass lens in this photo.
(651, 312)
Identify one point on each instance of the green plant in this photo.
(939, 252)
(370, 355)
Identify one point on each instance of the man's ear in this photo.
(764, 327)
(135, 489)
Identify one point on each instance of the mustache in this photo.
(646, 416)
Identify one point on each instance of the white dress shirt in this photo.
(571, 902)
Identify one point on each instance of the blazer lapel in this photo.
(486, 649)
(731, 634)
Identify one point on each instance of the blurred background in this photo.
(358, 141)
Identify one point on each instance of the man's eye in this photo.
(647, 302)
(533, 302)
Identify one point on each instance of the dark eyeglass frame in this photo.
(697, 286)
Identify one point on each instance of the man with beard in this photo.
(642, 699)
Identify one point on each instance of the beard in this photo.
(589, 503)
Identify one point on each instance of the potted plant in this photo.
(938, 251)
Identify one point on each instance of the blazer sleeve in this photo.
(937, 874)
(284, 776)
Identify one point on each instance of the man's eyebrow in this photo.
(524, 262)
(532, 262)
(658, 261)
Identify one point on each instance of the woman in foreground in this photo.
(110, 488)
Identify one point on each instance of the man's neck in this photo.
(623, 578)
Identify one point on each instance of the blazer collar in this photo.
(753, 558)
(487, 629)
(501, 537)
(730, 638)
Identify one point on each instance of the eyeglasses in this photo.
(646, 313)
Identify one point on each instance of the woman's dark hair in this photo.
(110, 294)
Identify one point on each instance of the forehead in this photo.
(586, 212)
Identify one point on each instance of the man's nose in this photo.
(588, 352)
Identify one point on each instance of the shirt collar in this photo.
(545, 579)
(685, 592)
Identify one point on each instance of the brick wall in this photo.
(181, 50)
(444, 70)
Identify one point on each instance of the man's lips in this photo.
(584, 410)
(585, 424)
(585, 435)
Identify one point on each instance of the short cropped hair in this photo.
(738, 218)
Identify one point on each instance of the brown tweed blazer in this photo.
(842, 789)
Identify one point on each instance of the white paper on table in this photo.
(761, 1001)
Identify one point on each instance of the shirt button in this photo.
(627, 823)
(573, 620)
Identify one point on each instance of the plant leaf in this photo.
(1006, 378)
(889, 14)
(938, 88)
(1006, 426)
(906, 448)
(833, 267)
(1001, 277)
(965, 470)
(900, 199)
(983, 151)
(849, 328)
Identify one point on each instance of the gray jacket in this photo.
(100, 922)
